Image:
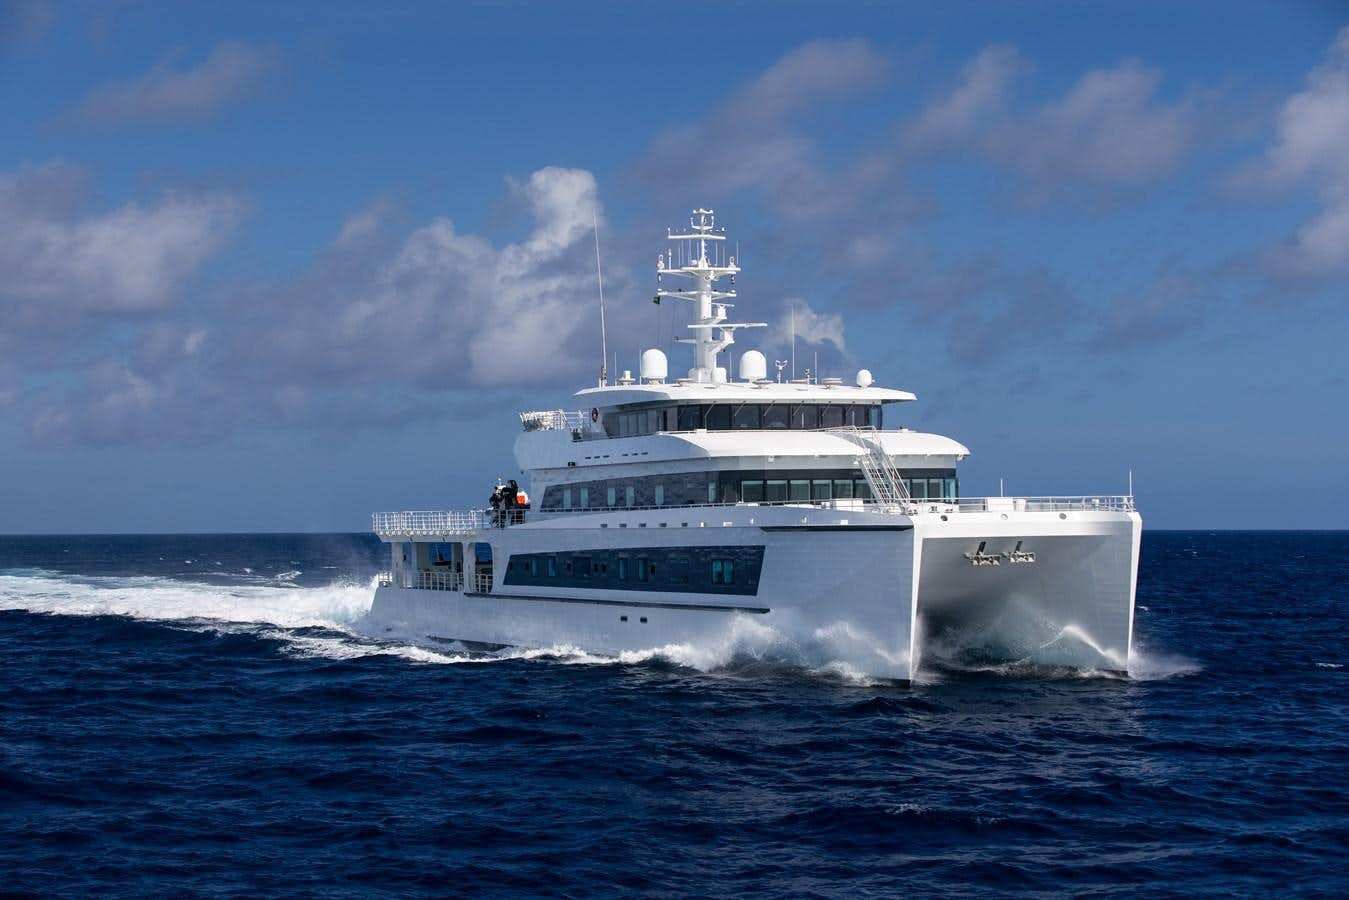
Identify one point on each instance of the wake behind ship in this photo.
(699, 510)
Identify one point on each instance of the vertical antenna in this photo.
(599, 277)
(1131, 482)
(792, 310)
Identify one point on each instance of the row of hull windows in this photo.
(732, 416)
(697, 488)
(697, 570)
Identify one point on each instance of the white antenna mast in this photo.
(599, 277)
(692, 261)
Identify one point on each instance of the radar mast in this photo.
(688, 257)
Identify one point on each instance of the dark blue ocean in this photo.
(202, 715)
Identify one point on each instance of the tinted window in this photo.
(746, 416)
(718, 418)
(751, 491)
(776, 416)
(690, 417)
(806, 417)
(775, 491)
(831, 417)
(679, 570)
(800, 490)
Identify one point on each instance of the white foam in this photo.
(163, 599)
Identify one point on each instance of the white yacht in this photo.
(693, 510)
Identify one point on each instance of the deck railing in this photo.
(430, 523)
(437, 581)
(552, 419)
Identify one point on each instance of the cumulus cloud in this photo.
(59, 260)
(380, 330)
(1312, 149)
(755, 138)
(451, 305)
(1110, 129)
(965, 111)
(232, 71)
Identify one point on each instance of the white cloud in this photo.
(447, 307)
(231, 72)
(1110, 129)
(56, 261)
(1312, 148)
(754, 140)
(966, 110)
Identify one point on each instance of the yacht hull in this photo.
(865, 590)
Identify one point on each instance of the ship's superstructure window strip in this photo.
(733, 416)
(749, 486)
(689, 570)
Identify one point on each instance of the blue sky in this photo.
(275, 266)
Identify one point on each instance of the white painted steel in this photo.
(870, 584)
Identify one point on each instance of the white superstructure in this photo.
(689, 511)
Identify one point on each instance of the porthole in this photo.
(1063, 515)
(622, 618)
(643, 620)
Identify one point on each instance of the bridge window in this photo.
(718, 418)
(690, 418)
(751, 491)
(776, 416)
(800, 489)
(806, 417)
(831, 417)
(842, 488)
(775, 490)
(820, 489)
(746, 416)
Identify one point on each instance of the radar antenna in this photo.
(712, 333)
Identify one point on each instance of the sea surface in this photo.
(203, 715)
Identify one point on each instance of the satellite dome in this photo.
(753, 366)
(654, 366)
(864, 378)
